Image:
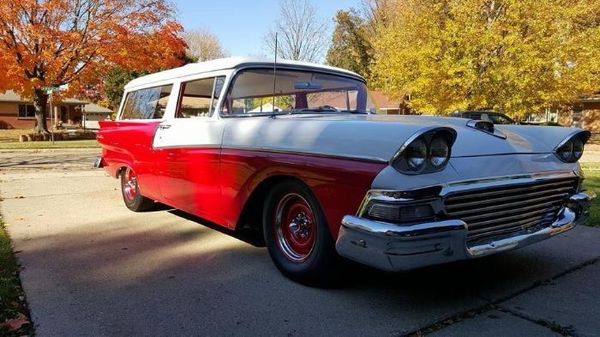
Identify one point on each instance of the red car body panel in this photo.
(129, 144)
(338, 184)
(215, 184)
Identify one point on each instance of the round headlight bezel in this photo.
(439, 151)
(571, 149)
(441, 138)
(565, 152)
(416, 155)
(578, 147)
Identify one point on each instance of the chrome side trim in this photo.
(303, 153)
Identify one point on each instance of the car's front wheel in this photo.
(130, 190)
(297, 235)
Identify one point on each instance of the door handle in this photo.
(164, 126)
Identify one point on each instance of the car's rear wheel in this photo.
(130, 190)
(297, 235)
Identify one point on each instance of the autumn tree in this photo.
(350, 45)
(302, 33)
(54, 42)
(203, 45)
(510, 55)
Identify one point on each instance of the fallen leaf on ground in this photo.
(16, 323)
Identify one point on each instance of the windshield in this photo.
(295, 92)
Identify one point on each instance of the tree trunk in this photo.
(40, 104)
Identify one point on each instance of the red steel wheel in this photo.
(294, 227)
(297, 235)
(130, 190)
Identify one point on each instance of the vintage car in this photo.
(291, 150)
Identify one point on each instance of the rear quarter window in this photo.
(149, 103)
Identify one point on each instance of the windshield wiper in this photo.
(316, 109)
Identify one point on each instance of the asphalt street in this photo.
(91, 267)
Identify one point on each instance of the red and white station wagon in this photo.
(294, 151)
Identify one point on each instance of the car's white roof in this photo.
(223, 64)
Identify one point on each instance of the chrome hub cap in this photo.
(130, 185)
(295, 228)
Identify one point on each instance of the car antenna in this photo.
(274, 78)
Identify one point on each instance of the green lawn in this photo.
(14, 315)
(9, 140)
(61, 144)
(592, 183)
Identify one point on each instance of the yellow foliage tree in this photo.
(510, 55)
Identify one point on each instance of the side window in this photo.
(147, 103)
(199, 98)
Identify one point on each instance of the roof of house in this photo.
(11, 96)
(95, 108)
(590, 99)
(224, 64)
(382, 101)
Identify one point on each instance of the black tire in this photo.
(130, 191)
(311, 258)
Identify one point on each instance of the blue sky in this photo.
(241, 25)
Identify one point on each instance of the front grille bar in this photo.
(504, 210)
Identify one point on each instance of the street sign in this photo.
(50, 89)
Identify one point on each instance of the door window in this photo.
(199, 98)
(149, 103)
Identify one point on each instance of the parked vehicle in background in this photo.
(492, 116)
(294, 153)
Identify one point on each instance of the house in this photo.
(388, 106)
(17, 112)
(585, 113)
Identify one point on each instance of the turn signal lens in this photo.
(401, 213)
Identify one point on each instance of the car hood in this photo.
(378, 137)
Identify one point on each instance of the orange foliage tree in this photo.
(77, 42)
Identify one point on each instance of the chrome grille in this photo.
(501, 211)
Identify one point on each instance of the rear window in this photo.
(149, 103)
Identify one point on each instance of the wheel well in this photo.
(120, 171)
(251, 216)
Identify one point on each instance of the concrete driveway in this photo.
(93, 268)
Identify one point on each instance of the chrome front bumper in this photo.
(395, 247)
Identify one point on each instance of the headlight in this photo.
(577, 148)
(425, 152)
(416, 154)
(571, 149)
(565, 152)
(439, 151)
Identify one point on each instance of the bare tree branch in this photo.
(304, 36)
(203, 45)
